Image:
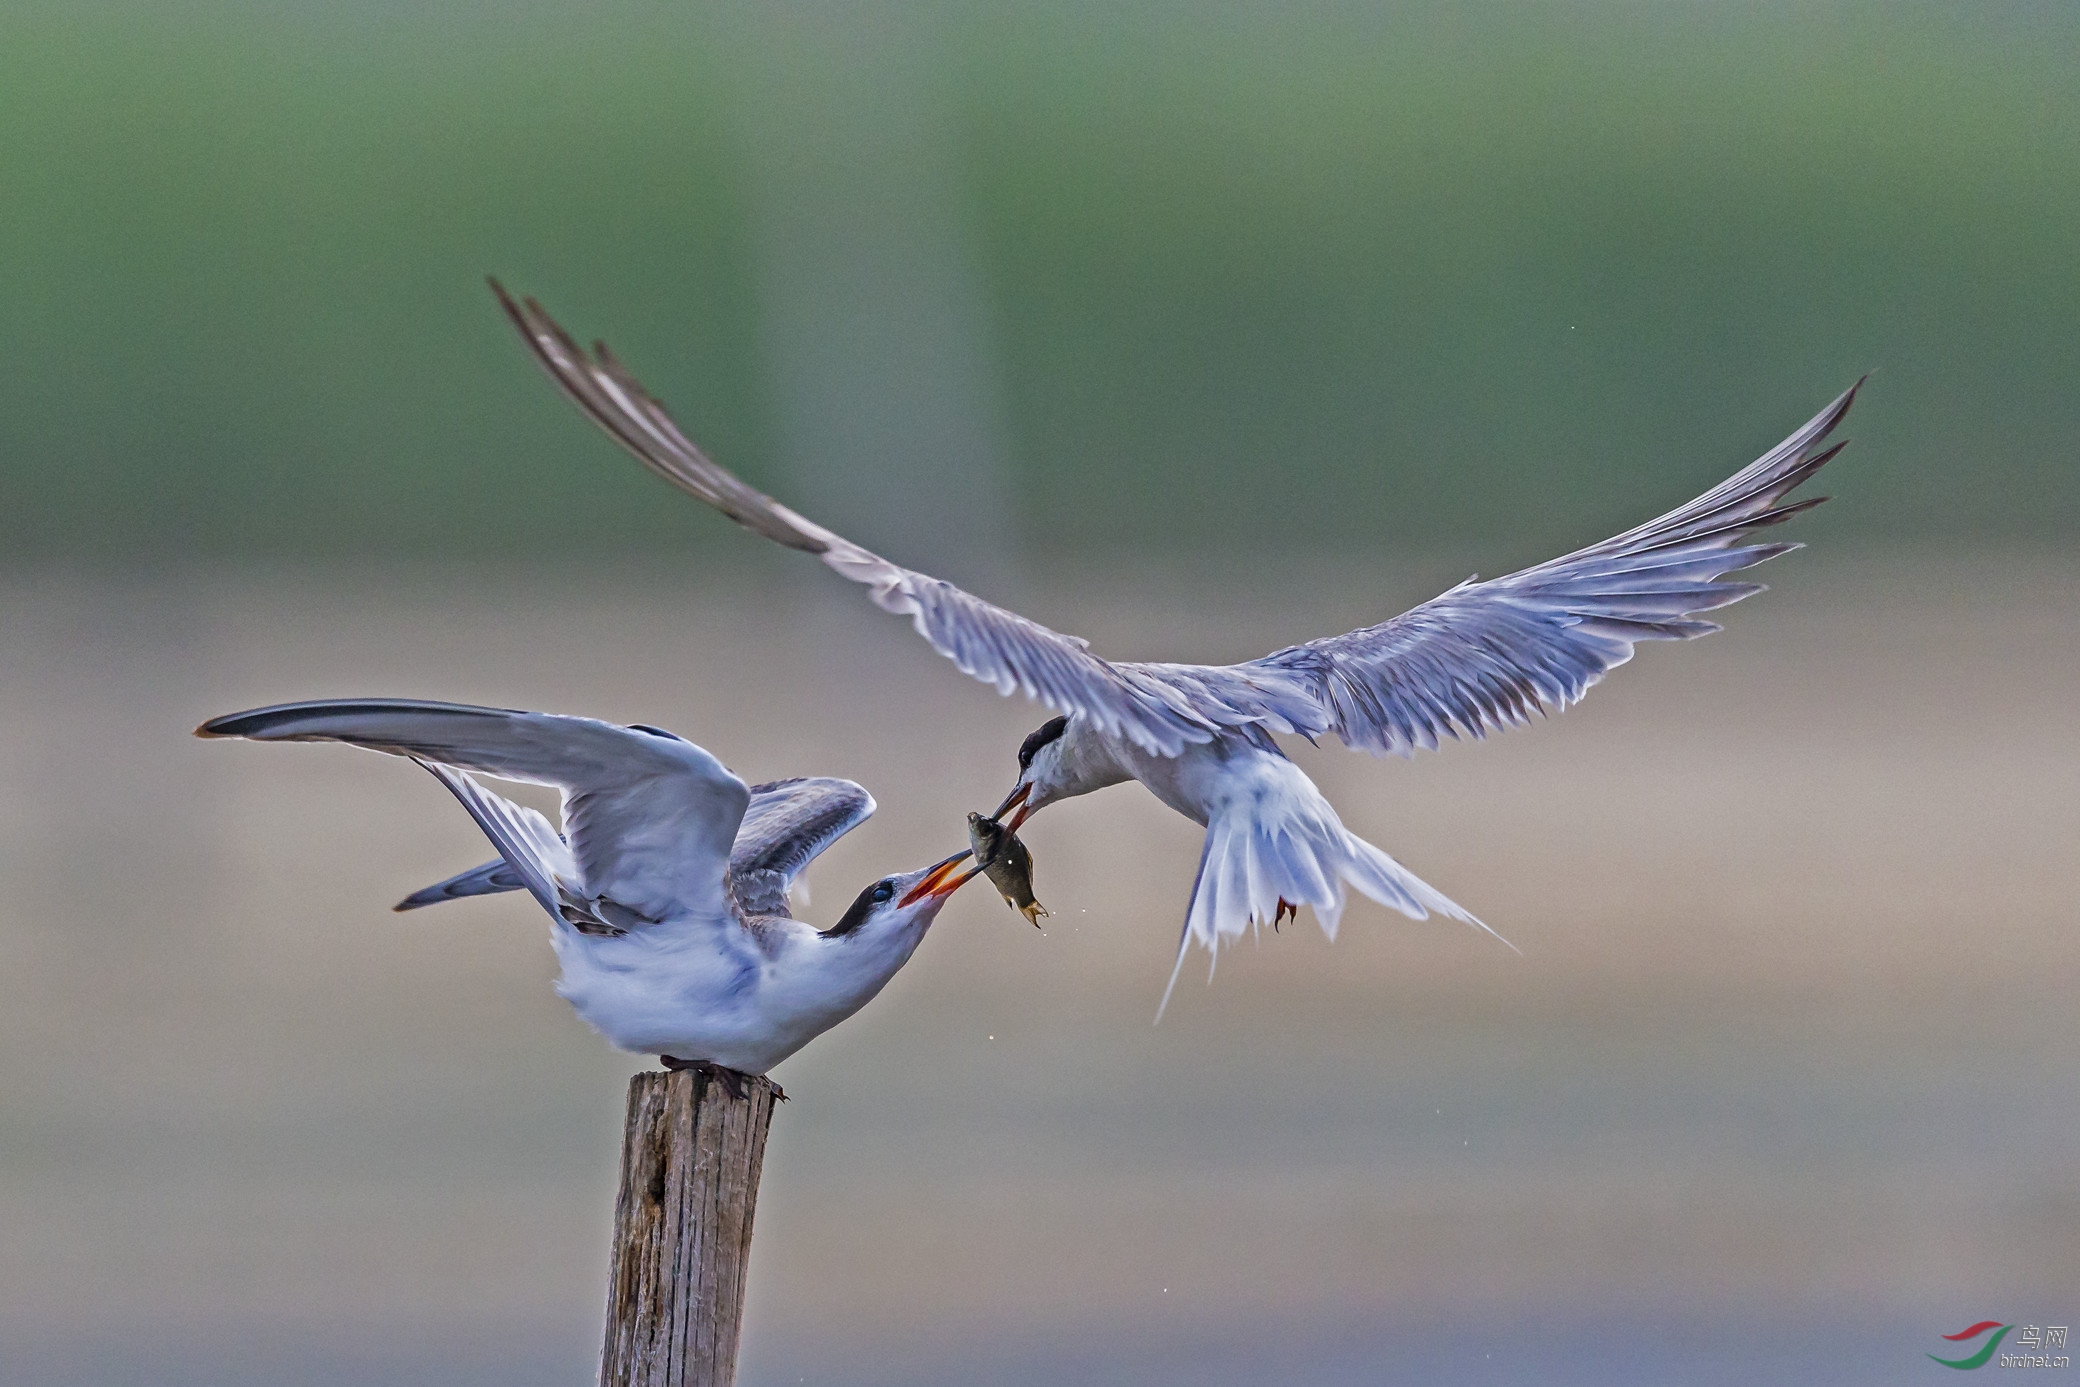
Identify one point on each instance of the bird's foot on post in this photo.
(731, 1079)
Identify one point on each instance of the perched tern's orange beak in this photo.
(943, 879)
(1015, 800)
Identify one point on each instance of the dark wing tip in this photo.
(256, 722)
(1777, 515)
(237, 724)
(1826, 455)
(436, 894)
(1841, 407)
(505, 301)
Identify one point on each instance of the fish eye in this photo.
(883, 891)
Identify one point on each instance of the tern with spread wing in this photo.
(668, 887)
(1479, 657)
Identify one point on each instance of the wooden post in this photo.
(690, 1159)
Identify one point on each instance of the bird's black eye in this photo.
(870, 899)
(1040, 737)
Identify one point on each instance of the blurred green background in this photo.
(1359, 272)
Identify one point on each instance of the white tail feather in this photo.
(1304, 856)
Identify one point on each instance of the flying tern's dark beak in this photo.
(943, 879)
(1015, 800)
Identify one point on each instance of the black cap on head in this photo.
(1040, 737)
(862, 906)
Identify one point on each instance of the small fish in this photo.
(1007, 863)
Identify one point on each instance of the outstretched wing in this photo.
(1487, 655)
(649, 817)
(1481, 656)
(788, 824)
(998, 647)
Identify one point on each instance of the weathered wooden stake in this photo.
(682, 1229)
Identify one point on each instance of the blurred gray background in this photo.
(1195, 330)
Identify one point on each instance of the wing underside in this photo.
(989, 643)
(1484, 655)
(789, 823)
(1489, 655)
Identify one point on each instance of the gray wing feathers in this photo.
(1488, 655)
(650, 817)
(1481, 656)
(788, 824)
(490, 879)
(526, 841)
(983, 640)
(615, 401)
(1004, 649)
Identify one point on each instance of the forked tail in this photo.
(1255, 871)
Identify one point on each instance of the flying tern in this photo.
(669, 894)
(1479, 657)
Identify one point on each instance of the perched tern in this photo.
(669, 894)
(1479, 657)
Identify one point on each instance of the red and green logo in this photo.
(1979, 1359)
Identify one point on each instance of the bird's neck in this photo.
(1087, 761)
(840, 974)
